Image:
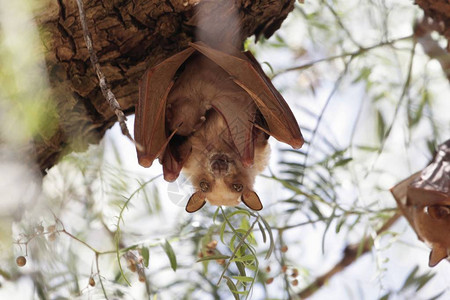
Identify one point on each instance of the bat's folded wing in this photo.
(247, 73)
(149, 126)
(400, 192)
(239, 116)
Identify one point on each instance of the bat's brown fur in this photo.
(209, 134)
(210, 141)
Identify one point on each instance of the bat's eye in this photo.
(238, 187)
(438, 211)
(204, 186)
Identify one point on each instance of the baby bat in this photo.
(209, 114)
(424, 199)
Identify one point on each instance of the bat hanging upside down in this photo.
(209, 114)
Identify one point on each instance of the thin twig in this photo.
(405, 90)
(100, 277)
(118, 230)
(106, 91)
(330, 96)
(358, 52)
(351, 254)
(339, 21)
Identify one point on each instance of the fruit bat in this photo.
(424, 199)
(209, 112)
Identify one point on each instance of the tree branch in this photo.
(356, 53)
(106, 91)
(351, 254)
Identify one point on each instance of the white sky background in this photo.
(387, 267)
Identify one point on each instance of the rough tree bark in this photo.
(129, 36)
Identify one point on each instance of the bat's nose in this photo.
(219, 167)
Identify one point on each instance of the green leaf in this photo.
(238, 211)
(241, 268)
(252, 267)
(381, 126)
(385, 297)
(243, 278)
(340, 223)
(248, 257)
(245, 225)
(222, 231)
(213, 257)
(272, 243)
(438, 296)
(232, 287)
(423, 280)
(215, 214)
(241, 292)
(343, 162)
(145, 255)
(269, 65)
(171, 255)
(263, 232)
(411, 278)
(415, 117)
(363, 74)
(367, 148)
(315, 209)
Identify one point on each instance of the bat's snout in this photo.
(219, 165)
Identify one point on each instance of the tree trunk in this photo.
(439, 12)
(128, 36)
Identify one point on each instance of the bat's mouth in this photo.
(219, 164)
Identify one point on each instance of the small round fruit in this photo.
(91, 281)
(21, 261)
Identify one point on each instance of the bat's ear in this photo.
(196, 202)
(437, 254)
(251, 199)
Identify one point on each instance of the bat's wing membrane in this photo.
(400, 192)
(249, 76)
(173, 159)
(239, 119)
(149, 129)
